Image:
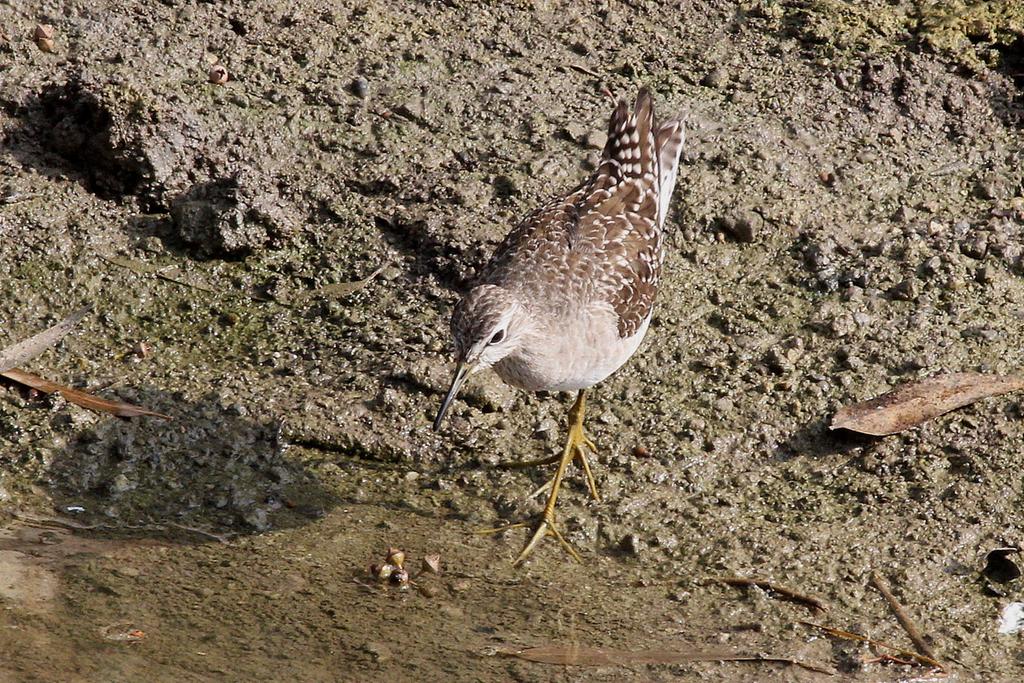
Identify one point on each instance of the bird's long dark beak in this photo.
(461, 373)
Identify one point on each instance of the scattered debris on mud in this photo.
(283, 200)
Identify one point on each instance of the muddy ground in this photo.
(849, 216)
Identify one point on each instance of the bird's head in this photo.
(488, 324)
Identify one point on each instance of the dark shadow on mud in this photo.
(431, 255)
(65, 132)
(213, 472)
(816, 441)
(1009, 104)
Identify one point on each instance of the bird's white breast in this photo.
(577, 355)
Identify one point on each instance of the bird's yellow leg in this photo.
(579, 453)
(575, 449)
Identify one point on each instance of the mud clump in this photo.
(230, 216)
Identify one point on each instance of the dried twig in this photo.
(70, 525)
(168, 274)
(901, 616)
(782, 591)
(849, 635)
(916, 402)
(584, 70)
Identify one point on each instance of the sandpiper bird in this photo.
(567, 297)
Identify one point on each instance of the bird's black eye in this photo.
(498, 336)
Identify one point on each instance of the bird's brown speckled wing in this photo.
(605, 236)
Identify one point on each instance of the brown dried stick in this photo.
(850, 635)
(901, 616)
(782, 591)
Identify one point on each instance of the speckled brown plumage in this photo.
(573, 285)
(604, 239)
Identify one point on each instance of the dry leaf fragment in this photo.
(346, 288)
(26, 350)
(80, 398)
(917, 402)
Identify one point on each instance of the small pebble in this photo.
(907, 290)
(432, 564)
(218, 74)
(43, 37)
(975, 247)
(717, 78)
(931, 266)
(631, 544)
(360, 87)
(595, 139)
(990, 187)
(744, 226)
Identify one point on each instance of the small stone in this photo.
(120, 484)
(991, 186)
(490, 396)
(932, 266)
(43, 37)
(545, 426)
(975, 247)
(818, 255)
(218, 74)
(985, 274)
(631, 544)
(257, 519)
(842, 326)
(576, 132)
(744, 226)
(360, 87)
(378, 651)
(432, 564)
(1012, 254)
(471, 192)
(955, 283)
(907, 290)
(717, 78)
(904, 214)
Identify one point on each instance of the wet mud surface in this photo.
(849, 215)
